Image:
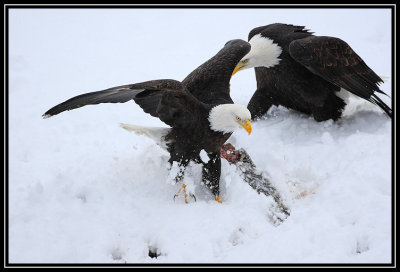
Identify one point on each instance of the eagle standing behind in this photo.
(307, 73)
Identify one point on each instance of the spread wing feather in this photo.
(165, 99)
(118, 94)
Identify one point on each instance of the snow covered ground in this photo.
(83, 190)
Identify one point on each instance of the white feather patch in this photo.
(157, 134)
(263, 53)
(345, 95)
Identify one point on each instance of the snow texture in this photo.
(83, 190)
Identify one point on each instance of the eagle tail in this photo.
(157, 134)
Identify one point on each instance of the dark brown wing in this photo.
(177, 108)
(165, 99)
(209, 83)
(335, 61)
(120, 94)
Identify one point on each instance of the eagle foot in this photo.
(183, 188)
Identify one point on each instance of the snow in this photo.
(83, 190)
(203, 156)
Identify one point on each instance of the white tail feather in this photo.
(157, 134)
(385, 78)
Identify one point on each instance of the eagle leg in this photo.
(212, 173)
(179, 178)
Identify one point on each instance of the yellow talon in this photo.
(186, 194)
(183, 187)
(218, 199)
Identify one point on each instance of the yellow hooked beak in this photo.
(238, 67)
(246, 126)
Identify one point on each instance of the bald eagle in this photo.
(310, 74)
(199, 111)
